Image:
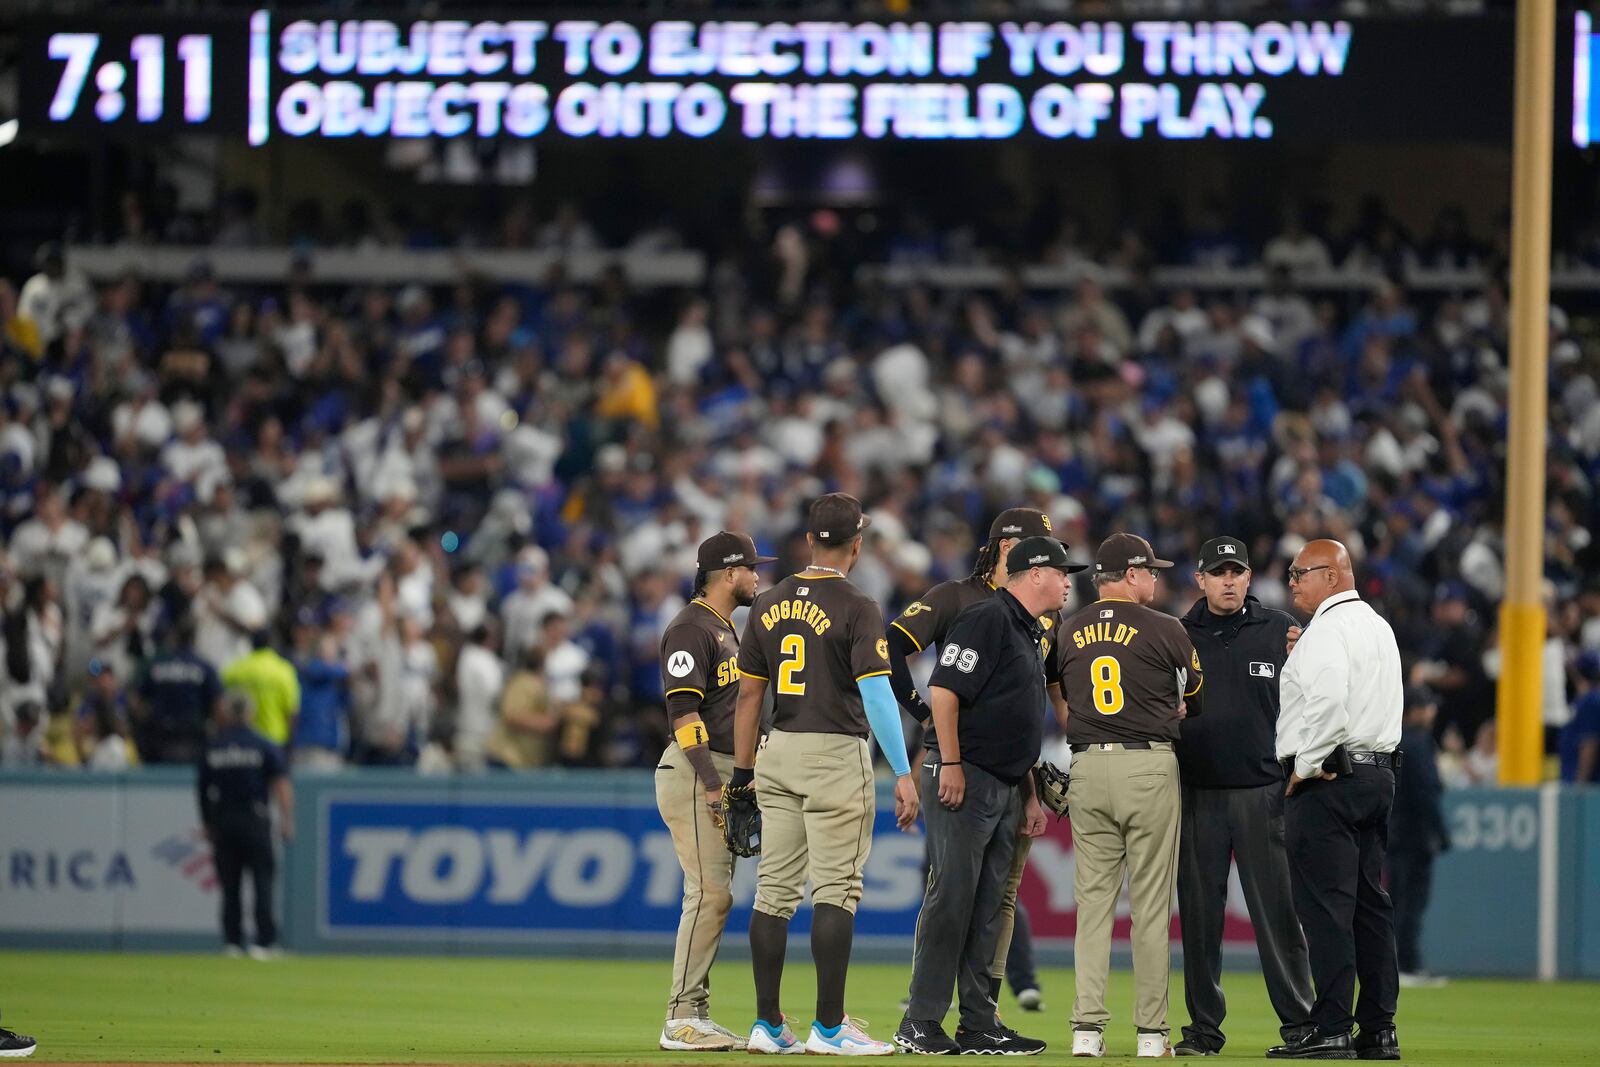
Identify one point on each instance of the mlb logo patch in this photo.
(1108, 613)
(1262, 670)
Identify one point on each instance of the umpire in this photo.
(1233, 802)
(238, 769)
(989, 703)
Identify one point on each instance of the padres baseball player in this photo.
(818, 642)
(700, 674)
(1128, 671)
(925, 623)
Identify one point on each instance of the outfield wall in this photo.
(570, 861)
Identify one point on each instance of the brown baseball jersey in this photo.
(927, 621)
(813, 637)
(700, 655)
(1126, 667)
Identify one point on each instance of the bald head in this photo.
(1320, 570)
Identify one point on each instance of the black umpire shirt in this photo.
(992, 662)
(1232, 745)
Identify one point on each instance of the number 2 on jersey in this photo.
(1106, 674)
(793, 648)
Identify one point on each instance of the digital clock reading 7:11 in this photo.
(147, 54)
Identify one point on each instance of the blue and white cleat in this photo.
(766, 1041)
(847, 1039)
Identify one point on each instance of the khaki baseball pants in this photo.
(1126, 810)
(707, 879)
(817, 806)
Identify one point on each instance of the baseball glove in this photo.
(741, 831)
(1050, 784)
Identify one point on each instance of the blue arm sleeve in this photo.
(883, 715)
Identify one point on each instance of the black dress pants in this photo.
(244, 843)
(1410, 885)
(1245, 825)
(1337, 832)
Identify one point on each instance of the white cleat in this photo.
(1154, 1046)
(848, 1039)
(263, 953)
(766, 1041)
(1030, 1000)
(1088, 1043)
(698, 1035)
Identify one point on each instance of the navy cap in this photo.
(1040, 552)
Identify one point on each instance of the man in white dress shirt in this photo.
(1338, 727)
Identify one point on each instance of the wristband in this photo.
(699, 758)
(691, 734)
(742, 776)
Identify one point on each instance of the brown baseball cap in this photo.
(836, 518)
(1123, 550)
(726, 549)
(1020, 522)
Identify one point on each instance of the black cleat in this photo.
(1380, 1044)
(1315, 1045)
(922, 1037)
(998, 1040)
(1191, 1047)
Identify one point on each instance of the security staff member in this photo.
(238, 769)
(1337, 733)
(1128, 668)
(700, 676)
(988, 695)
(926, 623)
(819, 642)
(1233, 802)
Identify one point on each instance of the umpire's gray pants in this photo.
(1246, 824)
(969, 859)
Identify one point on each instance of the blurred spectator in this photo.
(57, 300)
(176, 695)
(23, 744)
(228, 610)
(322, 729)
(1580, 737)
(1417, 831)
(533, 599)
(107, 745)
(522, 736)
(1483, 758)
(103, 702)
(124, 633)
(272, 685)
(480, 677)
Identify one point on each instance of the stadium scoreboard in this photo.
(268, 75)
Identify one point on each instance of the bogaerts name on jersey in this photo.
(1120, 633)
(803, 611)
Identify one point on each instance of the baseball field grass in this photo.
(111, 1008)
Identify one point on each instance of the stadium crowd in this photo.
(446, 528)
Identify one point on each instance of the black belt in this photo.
(1134, 746)
(1372, 759)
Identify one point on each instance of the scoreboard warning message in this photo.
(267, 75)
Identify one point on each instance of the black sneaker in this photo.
(999, 1040)
(14, 1045)
(925, 1038)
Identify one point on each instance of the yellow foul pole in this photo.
(1522, 616)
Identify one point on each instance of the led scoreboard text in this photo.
(270, 75)
(807, 79)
